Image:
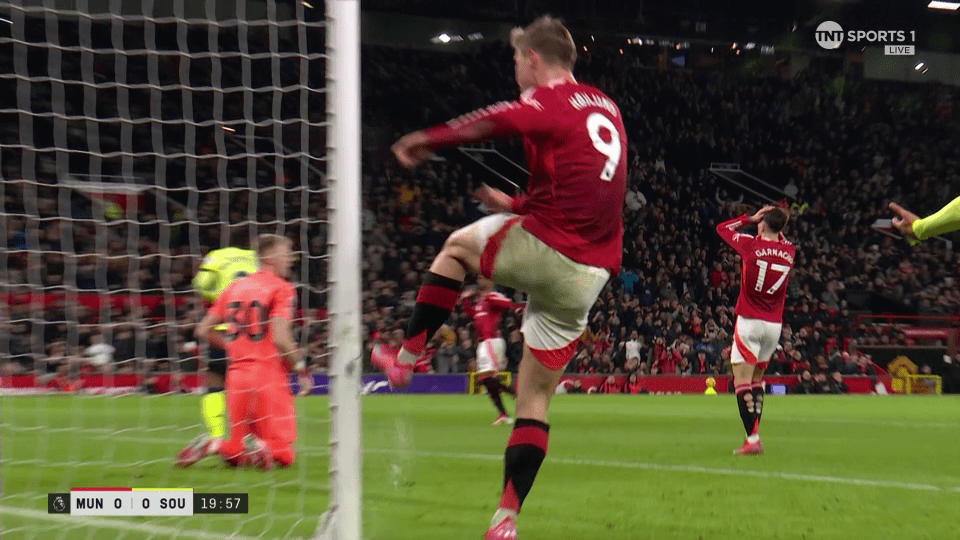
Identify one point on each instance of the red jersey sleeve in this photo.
(500, 301)
(518, 205)
(530, 115)
(282, 305)
(469, 307)
(730, 232)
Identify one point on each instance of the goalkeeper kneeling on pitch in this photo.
(261, 353)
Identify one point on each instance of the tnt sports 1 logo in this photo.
(830, 35)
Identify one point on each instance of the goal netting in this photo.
(135, 137)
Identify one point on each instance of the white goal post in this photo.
(343, 519)
(137, 136)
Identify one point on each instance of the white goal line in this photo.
(666, 467)
(636, 465)
(148, 528)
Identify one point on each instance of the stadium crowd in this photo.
(837, 146)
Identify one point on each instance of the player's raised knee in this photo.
(462, 246)
(462, 239)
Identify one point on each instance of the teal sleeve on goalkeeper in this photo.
(947, 219)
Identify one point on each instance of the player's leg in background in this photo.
(758, 393)
(241, 392)
(213, 405)
(490, 354)
(743, 357)
(275, 423)
(493, 391)
(504, 389)
(500, 350)
(438, 295)
(768, 345)
(238, 402)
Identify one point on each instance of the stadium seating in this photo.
(846, 149)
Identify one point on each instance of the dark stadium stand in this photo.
(843, 149)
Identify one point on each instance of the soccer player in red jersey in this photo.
(261, 353)
(767, 260)
(560, 243)
(491, 348)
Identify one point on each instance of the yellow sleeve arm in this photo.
(947, 219)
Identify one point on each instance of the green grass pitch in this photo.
(618, 467)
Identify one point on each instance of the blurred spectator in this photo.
(576, 387)
(805, 384)
(65, 380)
(514, 349)
(684, 367)
(445, 359)
(100, 353)
(777, 365)
(821, 383)
(610, 386)
(465, 353)
(836, 384)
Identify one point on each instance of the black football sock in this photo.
(493, 390)
(747, 411)
(524, 455)
(435, 300)
(758, 393)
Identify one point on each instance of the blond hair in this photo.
(549, 38)
(267, 242)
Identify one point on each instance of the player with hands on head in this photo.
(261, 353)
(559, 243)
(491, 348)
(766, 262)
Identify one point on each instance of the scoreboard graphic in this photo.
(124, 501)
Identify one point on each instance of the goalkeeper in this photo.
(914, 228)
(219, 269)
(258, 310)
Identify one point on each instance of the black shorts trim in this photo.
(218, 361)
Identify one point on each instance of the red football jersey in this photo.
(247, 305)
(486, 314)
(576, 148)
(765, 269)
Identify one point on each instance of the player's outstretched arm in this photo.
(904, 221)
(522, 117)
(412, 149)
(281, 330)
(205, 331)
(498, 201)
(945, 220)
(504, 303)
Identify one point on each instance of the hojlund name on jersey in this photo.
(580, 101)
